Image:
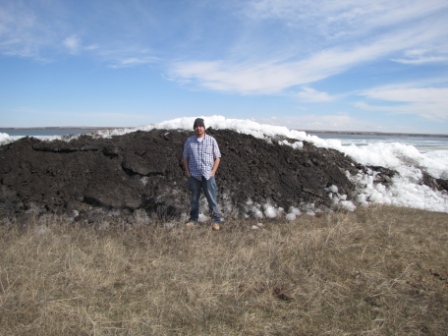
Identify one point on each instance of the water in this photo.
(42, 133)
(423, 143)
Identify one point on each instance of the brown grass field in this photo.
(376, 271)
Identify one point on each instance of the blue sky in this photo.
(356, 65)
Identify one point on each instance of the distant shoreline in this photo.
(376, 133)
(307, 131)
(60, 128)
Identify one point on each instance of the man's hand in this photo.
(186, 168)
(215, 166)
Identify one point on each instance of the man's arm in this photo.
(215, 166)
(187, 169)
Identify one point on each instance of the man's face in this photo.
(199, 131)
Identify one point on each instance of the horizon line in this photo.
(300, 130)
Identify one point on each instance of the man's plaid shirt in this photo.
(201, 155)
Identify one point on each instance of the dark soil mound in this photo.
(140, 174)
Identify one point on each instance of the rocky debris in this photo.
(139, 176)
(438, 184)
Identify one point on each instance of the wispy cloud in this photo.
(72, 43)
(422, 60)
(342, 19)
(429, 102)
(348, 34)
(316, 122)
(309, 31)
(311, 95)
(275, 76)
(423, 56)
(37, 30)
(21, 32)
(133, 61)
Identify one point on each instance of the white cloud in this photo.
(311, 95)
(72, 43)
(419, 95)
(74, 46)
(27, 29)
(330, 38)
(343, 18)
(315, 122)
(21, 33)
(277, 75)
(422, 60)
(38, 30)
(423, 56)
(429, 103)
(134, 61)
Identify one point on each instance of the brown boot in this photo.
(190, 224)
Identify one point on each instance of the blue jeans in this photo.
(210, 191)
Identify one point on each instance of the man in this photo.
(201, 159)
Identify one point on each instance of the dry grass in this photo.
(378, 271)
